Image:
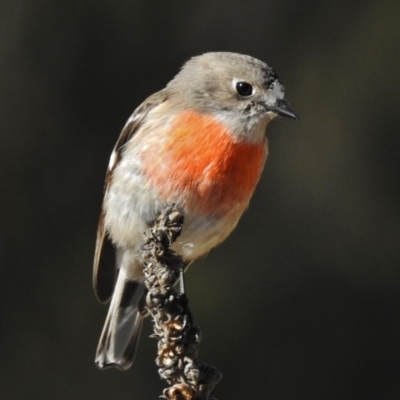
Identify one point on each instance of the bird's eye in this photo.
(244, 89)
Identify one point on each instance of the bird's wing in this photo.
(104, 267)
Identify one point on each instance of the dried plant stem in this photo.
(189, 378)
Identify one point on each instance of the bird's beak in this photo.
(281, 108)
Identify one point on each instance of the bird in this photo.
(200, 144)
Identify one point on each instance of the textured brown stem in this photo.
(188, 377)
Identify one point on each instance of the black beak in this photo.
(282, 109)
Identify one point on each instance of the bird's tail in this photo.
(120, 336)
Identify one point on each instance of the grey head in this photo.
(228, 83)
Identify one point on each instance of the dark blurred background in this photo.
(302, 301)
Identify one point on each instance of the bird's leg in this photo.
(182, 280)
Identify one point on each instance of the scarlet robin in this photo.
(199, 144)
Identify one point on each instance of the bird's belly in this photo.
(200, 234)
(131, 207)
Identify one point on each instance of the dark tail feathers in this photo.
(120, 336)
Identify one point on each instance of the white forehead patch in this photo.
(278, 91)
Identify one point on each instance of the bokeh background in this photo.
(303, 300)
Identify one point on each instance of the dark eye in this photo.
(244, 89)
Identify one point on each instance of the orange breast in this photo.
(201, 165)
